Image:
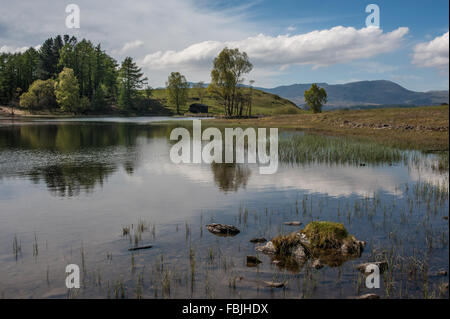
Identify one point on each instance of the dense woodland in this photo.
(70, 75)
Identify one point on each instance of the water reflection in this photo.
(230, 177)
(75, 157)
(69, 180)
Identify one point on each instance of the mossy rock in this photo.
(326, 235)
(328, 241)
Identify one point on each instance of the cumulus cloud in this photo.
(318, 48)
(433, 54)
(129, 46)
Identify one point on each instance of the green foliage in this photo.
(95, 70)
(39, 96)
(130, 81)
(177, 90)
(228, 71)
(67, 91)
(17, 71)
(315, 97)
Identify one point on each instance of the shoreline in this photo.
(420, 128)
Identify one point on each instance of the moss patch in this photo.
(325, 235)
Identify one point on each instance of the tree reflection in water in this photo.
(230, 177)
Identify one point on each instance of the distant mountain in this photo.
(363, 94)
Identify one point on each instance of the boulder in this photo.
(198, 108)
(222, 230)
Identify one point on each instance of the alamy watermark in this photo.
(256, 152)
(73, 276)
(73, 17)
(373, 19)
(373, 277)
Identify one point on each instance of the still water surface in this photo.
(69, 188)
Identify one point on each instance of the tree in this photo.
(226, 76)
(200, 90)
(40, 95)
(130, 81)
(67, 91)
(177, 90)
(315, 97)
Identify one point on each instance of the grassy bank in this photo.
(422, 128)
(263, 103)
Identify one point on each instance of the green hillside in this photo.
(263, 103)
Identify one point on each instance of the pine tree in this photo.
(130, 81)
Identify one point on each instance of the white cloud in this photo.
(318, 48)
(11, 49)
(129, 46)
(433, 54)
(159, 24)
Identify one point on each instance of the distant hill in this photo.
(364, 94)
(264, 103)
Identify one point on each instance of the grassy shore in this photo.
(422, 128)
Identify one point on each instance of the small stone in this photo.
(253, 261)
(258, 240)
(293, 223)
(368, 296)
(274, 284)
(222, 230)
(276, 262)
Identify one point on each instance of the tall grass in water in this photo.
(305, 149)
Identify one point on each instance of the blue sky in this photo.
(288, 41)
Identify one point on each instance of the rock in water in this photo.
(327, 241)
(253, 261)
(293, 223)
(258, 240)
(223, 230)
(274, 284)
(368, 296)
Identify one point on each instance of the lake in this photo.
(84, 191)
